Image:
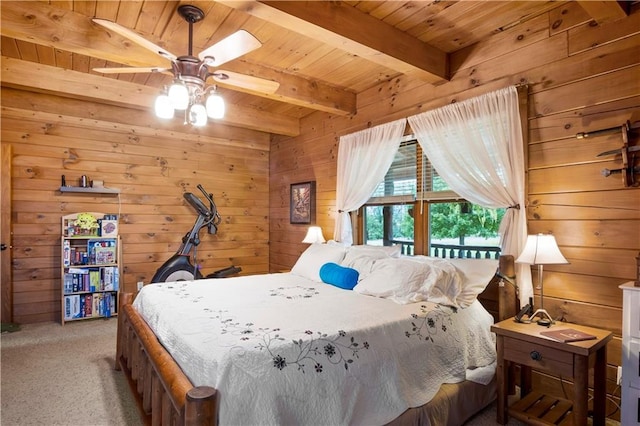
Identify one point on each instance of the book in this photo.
(68, 283)
(67, 308)
(108, 227)
(110, 278)
(97, 302)
(87, 305)
(105, 255)
(94, 280)
(567, 335)
(72, 307)
(102, 251)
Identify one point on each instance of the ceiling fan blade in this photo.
(135, 37)
(131, 70)
(255, 84)
(237, 44)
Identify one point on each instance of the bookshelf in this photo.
(91, 266)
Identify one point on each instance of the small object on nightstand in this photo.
(568, 335)
(527, 310)
(545, 322)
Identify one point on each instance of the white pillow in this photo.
(363, 263)
(311, 260)
(389, 251)
(401, 280)
(444, 281)
(476, 274)
(362, 257)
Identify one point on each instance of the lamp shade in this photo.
(215, 106)
(163, 106)
(314, 235)
(197, 115)
(541, 249)
(179, 95)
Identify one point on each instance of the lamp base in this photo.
(545, 319)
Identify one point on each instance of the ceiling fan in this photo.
(192, 72)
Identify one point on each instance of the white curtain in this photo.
(363, 160)
(476, 146)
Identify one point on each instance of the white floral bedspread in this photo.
(289, 351)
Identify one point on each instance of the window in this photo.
(389, 224)
(413, 196)
(388, 215)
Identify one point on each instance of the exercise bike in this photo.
(179, 266)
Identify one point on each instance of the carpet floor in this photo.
(64, 375)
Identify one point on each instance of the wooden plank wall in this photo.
(581, 77)
(51, 136)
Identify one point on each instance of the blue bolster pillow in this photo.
(339, 276)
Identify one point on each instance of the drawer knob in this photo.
(535, 355)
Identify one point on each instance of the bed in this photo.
(226, 351)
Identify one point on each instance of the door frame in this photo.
(6, 235)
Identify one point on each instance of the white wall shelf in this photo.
(89, 190)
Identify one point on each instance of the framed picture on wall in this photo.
(302, 203)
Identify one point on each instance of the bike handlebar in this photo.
(209, 214)
(206, 194)
(197, 204)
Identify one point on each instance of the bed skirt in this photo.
(453, 405)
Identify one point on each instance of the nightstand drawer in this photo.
(539, 357)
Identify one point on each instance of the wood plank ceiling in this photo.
(323, 54)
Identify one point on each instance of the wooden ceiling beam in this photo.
(297, 90)
(39, 23)
(30, 76)
(604, 11)
(345, 27)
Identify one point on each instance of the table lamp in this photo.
(314, 235)
(541, 249)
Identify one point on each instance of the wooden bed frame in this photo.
(165, 395)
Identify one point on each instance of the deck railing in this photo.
(452, 251)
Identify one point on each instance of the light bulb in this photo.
(197, 115)
(179, 95)
(215, 106)
(163, 107)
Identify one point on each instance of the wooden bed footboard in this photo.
(167, 397)
(163, 392)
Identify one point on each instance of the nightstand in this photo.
(523, 344)
(630, 410)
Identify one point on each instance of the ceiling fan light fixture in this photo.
(215, 105)
(179, 95)
(188, 93)
(163, 107)
(197, 115)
